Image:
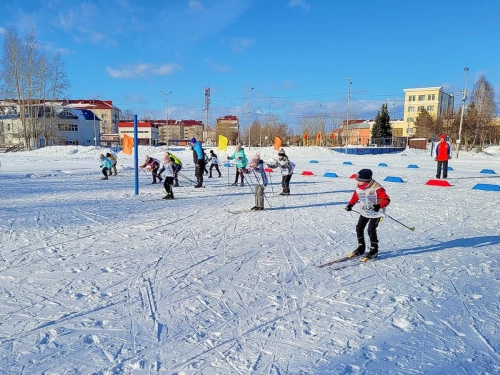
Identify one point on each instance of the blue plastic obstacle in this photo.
(227, 165)
(393, 179)
(313, 161)
(449, 168)
(489, 171)
(330, 174)
(489, 187)
(347, 163)
(412, 166)
(382, 165)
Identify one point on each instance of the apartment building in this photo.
(103, 109)
(228, 127)
(147, 132)
(433, 99)
(179, 131)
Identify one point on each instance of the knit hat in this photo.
(364, 175)
(193, 140)
(256, 158)
(442, 136)
(281, 152)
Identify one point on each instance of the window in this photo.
(67, 127)
(397, 132)
(421, 97)
(431, 97)
(410, 119)
(8, 127)
(420, 107)
(430, 108)
(71, 143)
(411, 98)
(409, 130)
(411, 109)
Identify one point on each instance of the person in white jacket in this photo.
(286, 167)
(168, 167)
(215, 163)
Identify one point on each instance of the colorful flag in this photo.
(128, 143)
(277, 143)
(222, 143)
(319, 135)
(306, 136)
(332, 135)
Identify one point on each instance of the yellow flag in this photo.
(277, 143)
(128, 143)
(222, 143)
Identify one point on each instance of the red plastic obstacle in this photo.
(307, 173)
(268, 170)
(438, 183)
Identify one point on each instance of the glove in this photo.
(376, 207)
(348, 207)
(435, 159)
(449, 157)
(228, 157)
(239, 157)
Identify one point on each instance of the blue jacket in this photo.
(198, 151)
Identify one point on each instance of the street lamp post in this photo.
(93, 106)
(238, 126)
(464, 97)
(249, 116)
(166, 110)
(268, 126)
(348, 104)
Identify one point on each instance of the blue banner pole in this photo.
(136, 157)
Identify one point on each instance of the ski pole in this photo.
(397, 221)
(183, 176)
(390, 217)
(271, 182)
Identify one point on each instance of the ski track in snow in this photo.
(97, 280)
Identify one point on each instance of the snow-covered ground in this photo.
(97, 280)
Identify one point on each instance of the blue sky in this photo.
(297, 54)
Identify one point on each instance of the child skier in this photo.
(287, 168)
(168, 167)
(257, 166)
(153, 165)
(374, 200)
(241, 163)
(176, 167)
(112, 157)
(215, 163)
(106, 165)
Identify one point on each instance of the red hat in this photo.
(442, 136)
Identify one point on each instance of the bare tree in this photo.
(483, 95)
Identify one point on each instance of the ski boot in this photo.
(359, 251)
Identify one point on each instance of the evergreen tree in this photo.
(424, 124)
(382, 127)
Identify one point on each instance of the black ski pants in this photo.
(372, 229)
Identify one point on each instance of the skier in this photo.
(168, 168)
(106, 165)
(199, 161)
(241, 163)
(287, 168)
(215, 163)
(205, 157)
(153, 165)
(176, 167)
(443, 154)
(257, 165)
(374, 200)
(112, 157)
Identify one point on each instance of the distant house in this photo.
(147, 131)
(56, 125)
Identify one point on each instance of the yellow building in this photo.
(433, 99)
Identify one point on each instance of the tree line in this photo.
(32, 77)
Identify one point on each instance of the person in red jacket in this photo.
(443, 154)
(152, 165)
(374, 200)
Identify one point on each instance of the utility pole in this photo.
(464, 97)
(249, 117)
(95, 133)
(207, 108)
(166, 112)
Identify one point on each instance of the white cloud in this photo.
(299, 3)
(2, 30)
(241, 44)
(195, 5)
(143, 70)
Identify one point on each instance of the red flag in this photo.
(319, 135)
(277, 143)
(306, 136)
(128, 143)
(332, 135)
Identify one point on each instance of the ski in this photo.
(241, 211)
(340, 260)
